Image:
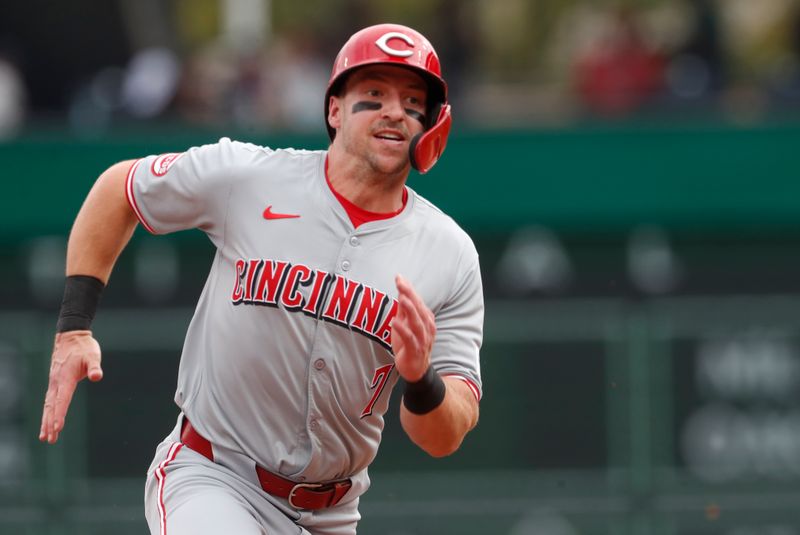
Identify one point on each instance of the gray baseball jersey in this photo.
(288, 359)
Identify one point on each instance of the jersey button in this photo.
(346, 265)
(354, 241)
(319, 364)
(313, 425)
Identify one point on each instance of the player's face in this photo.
(380, 110)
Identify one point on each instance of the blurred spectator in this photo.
(150, 82)
(252, 95)
(275, 87)
(263, 64)
(348, 17)
(786, 78)
(697, 68)
(142, 90)
(12, 99)
(620, 72)
(455, 36)
(299, 77)
(206, 86)
(756, 37)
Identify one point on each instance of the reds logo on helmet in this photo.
(162, 164)
(382, 43)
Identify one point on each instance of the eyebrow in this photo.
(382, 78)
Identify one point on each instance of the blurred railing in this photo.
(674, 416)
(641, 362)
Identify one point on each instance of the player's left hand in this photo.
(413, 332)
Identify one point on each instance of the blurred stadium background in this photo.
(627, 170)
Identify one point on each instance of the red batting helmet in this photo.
(394, 44)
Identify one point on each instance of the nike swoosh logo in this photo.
(269, 214)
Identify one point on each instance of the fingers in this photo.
(412, 327)
(411, 360)
(74, 357)
(57, 400)
(397, 326)
(94, 373)
(44, 430)
(63, 397)
(48, 416)
(420, 316)
(417, 320)
(92, 359)
(403, 338)
(49, 430)
(413, 331)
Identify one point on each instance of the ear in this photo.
(335, 112)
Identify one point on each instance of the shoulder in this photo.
(235, 150)
(442, 229)
(237, 161)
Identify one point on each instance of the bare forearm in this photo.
(441, 431)
(103, 227)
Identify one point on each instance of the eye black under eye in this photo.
(416, 115)
(366, 105)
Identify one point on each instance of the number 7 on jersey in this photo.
(378, 383)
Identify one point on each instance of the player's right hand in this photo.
(76, 354)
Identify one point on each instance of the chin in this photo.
(390, 165)
(394, 168)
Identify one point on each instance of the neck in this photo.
(368, 189)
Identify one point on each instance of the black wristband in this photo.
(422, 396)
(81, 296)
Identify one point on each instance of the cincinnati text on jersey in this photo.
(328, 296)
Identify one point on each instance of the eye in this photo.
(415, 102)
(373, 93)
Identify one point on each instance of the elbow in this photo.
(440, 453)
(441, 448)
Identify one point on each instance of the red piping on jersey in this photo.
(161, 476)
(472, 386)
(132, 198)
(358, 216)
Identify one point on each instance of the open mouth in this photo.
(396, 137)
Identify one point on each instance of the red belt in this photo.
(300, 495)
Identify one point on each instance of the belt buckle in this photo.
(301, 486)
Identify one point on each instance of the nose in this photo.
(393, 108)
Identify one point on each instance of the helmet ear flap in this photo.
(433, 115)
(426, 148)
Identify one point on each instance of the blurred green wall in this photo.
(582, 179)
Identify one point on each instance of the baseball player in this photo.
(331, 281)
